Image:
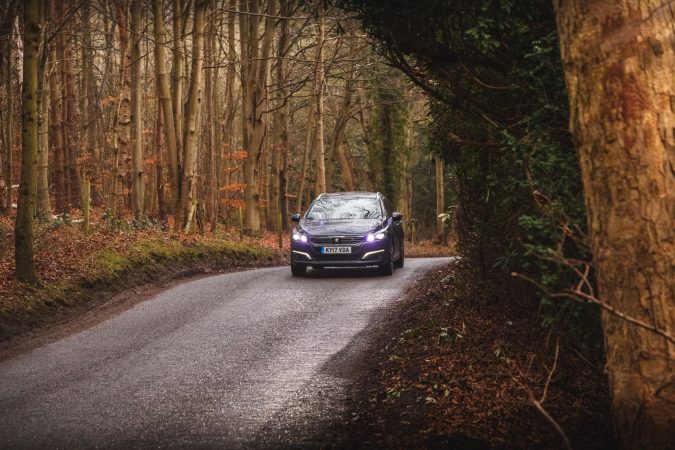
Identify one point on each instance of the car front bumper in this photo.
(362, 255)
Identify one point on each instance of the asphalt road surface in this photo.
(250, 359)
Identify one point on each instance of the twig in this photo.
(550, 372)
(577, 295)
(550, 419)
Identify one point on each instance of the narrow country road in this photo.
(248, 359)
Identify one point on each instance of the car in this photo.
(348, 229)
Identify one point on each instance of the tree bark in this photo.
(318, 86)
(164, 95)
(254, 81)
(137, 172)
(55, 121)
(43, 208)
(123, 125)
(23, 232)
(72, 117)
(338, 138)
(619, 63)
(440, 198)
(278, 207)
(9, 133)
(188, 188)
(309, 140)
(91, 109)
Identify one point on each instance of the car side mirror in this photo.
(397, 216)
(295, 217)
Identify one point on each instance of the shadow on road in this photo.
(339, 272)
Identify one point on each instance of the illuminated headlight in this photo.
(377, 236)
(299, 237)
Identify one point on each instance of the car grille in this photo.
(343, 240)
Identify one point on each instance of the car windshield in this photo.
(338, 208)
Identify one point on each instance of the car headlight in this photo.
(299, 237)
(376, 236)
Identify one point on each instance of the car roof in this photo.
(350, 194)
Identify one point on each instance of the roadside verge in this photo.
(86, 273)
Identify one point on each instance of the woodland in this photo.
(536, 136)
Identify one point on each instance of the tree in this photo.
(23, 232)
(255, 52)
(619, 68)
(319, 79)
(137, 173)
(171, 137)
(7, 30)
(188, 187)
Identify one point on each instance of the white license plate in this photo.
(336, 249)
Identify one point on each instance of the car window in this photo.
(345, 208)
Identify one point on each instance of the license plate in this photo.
(336, 249)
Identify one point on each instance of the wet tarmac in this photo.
(254, 359)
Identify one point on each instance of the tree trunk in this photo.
(43, 208)
(164, 95)
(188, 188)
(91, 109)
(56, 122)
(161, 197)
(254, 69)
(318, 87)
(278, 207)
(137, 172)
(309, 140)
(440, 198)
(177, 96)
(9, 133)
(335, 148)
(619, 65)
(72, 116)
(123, 125)
(23, 232)
(230, 102)
(209, 157)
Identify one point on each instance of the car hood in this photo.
(340, 227)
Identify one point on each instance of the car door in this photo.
(397, 231)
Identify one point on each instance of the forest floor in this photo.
(80, 272)
(454, 370)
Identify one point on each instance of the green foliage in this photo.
(499, 119)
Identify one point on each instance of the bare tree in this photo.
(23, 232)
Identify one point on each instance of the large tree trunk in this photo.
(278, 207)
(137, 172)
(188, 187)
(164, 94)
(619, 65)
(23, 232)
(254, 81)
